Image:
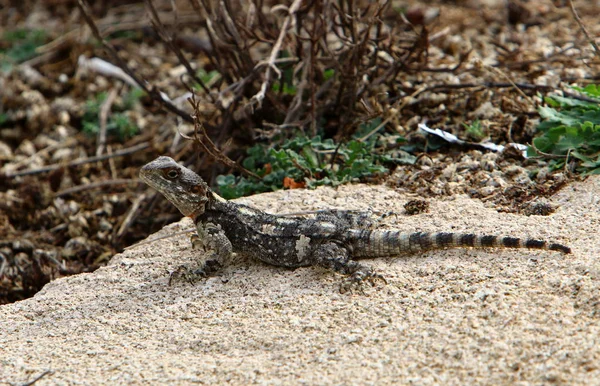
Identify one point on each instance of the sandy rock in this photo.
(445, 317)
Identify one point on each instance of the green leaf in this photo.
(311, 157)
(124, 127)
(90, 128)
(591, 90)
(475, 130)
(556, 116)
(571, 126)
(207, 77)
(308, 160)
(543, 144)
(558, 101)
(568, 142)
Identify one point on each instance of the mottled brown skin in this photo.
(330, 239)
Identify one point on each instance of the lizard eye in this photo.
(172, 174)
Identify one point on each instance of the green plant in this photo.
(130, 99)
(20, 46)
(207, 77)
(571, 130)
(118, 123)
(287, 83)
(308, 162)
(475, 130)
(287, 88)
(122, 125)
(328, 74)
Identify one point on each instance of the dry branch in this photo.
(204, 141)
(151, 91)
(79, 162)
(585, 32)
(166, 37)
(103, 117)
(270, 62)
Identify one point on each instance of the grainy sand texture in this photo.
(451, 317)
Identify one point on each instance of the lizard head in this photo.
(184, 188)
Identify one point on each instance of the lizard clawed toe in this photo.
(192, 276)
(357, 280)
(182, 272)
(209, 268)
(376, 277)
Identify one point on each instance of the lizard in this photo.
(332, 239)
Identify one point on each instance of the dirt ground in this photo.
(453, 317)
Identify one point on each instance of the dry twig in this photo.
(131, 214)
(103, 116)
(151, 91)
(270, 62)
(166, 37)
(33, 381)
(204, 141)
(585, 32)
(94, 185)
(79, 162)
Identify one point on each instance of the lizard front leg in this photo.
(336, 257)
(211, 239)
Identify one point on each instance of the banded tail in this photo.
(391, 243)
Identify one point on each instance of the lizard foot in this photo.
(356, 281)
(181, 273)
(192, 276)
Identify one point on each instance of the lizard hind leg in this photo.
(337, 258)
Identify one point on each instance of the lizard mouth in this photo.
(144, 175)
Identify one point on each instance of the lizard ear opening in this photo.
(198, 189)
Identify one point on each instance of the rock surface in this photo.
(445, 317)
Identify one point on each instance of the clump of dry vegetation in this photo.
(272, 72)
